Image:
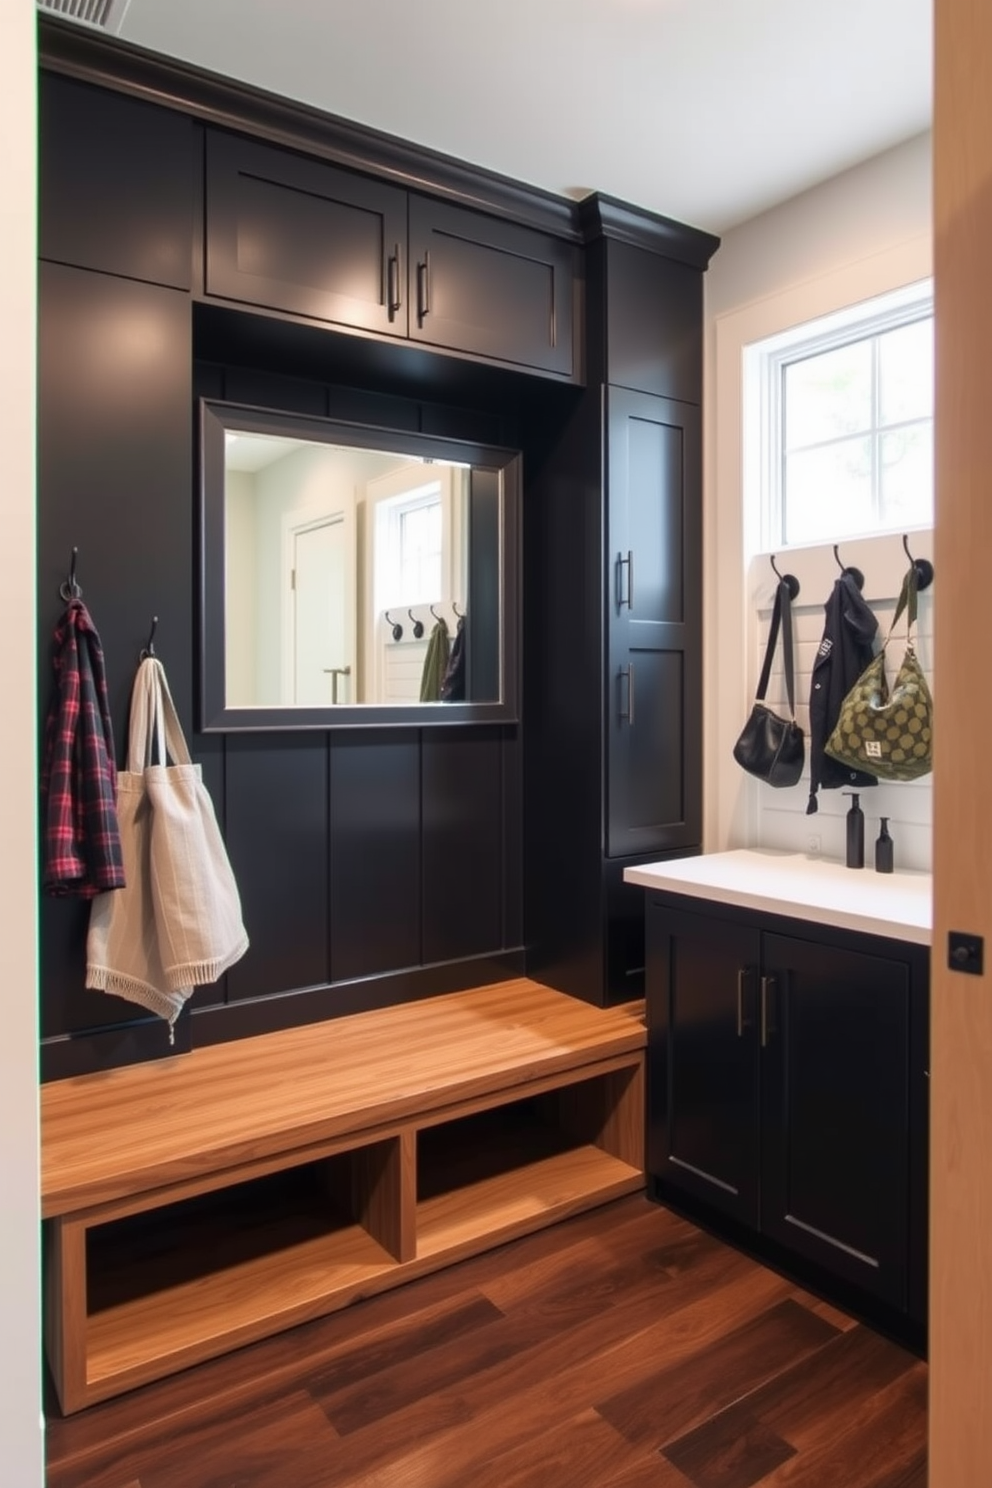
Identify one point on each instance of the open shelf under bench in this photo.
(203, 1202)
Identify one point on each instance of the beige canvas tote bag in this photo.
(177, 922)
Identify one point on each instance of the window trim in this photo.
(763, 383)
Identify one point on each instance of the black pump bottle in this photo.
(855, 833)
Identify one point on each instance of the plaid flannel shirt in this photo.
(81, 840)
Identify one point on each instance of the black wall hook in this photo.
(418, 626)
(396, 627)
(923, 566)
(150, 643)
(68, 588)
(855, 573)
(789, 580)
(437, 617)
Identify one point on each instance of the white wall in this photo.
(240, 610)
(20, 1363)
(858, 235)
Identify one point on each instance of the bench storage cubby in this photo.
(202, 1202)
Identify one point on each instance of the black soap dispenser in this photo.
(883, 849)
(855, 832)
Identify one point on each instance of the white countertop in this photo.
(802, 887)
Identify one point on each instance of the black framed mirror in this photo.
(352, 576)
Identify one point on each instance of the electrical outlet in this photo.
(813, 843)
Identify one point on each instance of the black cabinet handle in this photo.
(394, 300)
(767, 990)
(741, 978)
(628, 564)
(424, 287)
(628, 712)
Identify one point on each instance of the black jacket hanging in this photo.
(844, 652)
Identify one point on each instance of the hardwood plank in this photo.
(663, 1404)
(729, 1453)
(883, 1436)
(65, 1309)
(823, 1387)
(202, 1455)
(177, 1119)
(508, 1401)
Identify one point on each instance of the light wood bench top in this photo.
(125, 1131)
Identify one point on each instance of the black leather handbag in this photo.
(770, 747)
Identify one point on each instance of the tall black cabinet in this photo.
(613, 611)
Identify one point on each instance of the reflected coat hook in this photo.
(150, 643)
(855, 573)
(69, 589)
(923, 566)
(437, 617)
(789, 580)
(418, 626)
(460, 614)
(396, 626)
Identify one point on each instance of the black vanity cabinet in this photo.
(787, 1088)
(303, 236)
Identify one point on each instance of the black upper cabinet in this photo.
(115, 183)
(299, 235)
(652, 333)
(654, 624)
(490, 288)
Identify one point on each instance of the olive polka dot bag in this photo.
(889, 734)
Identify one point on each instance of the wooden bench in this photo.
(198, 1203)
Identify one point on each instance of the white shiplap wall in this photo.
(778, 817)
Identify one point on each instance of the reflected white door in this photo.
(323, 663)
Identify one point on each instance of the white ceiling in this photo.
(708, 111)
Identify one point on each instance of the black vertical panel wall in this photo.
(114, 460)
(275, 803)
(375, 880)
(462, 842)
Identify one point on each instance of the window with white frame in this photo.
(839, 414)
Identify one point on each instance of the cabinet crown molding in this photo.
(602, 216)
(108, 62)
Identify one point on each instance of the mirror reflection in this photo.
(346, 575)
(361, 569)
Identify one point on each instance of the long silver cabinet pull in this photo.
(394, 281)
(767, 989)
(628, 564)
(630, 579)
(625, 674)
(424, 287)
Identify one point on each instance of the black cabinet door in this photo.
(653, 720)
(835, 1110)
(115, 183)
(490, 288)
(701, 997)
(654, 312)
(294, 234)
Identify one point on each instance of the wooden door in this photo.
(653, 586)
(490, 288)
(961, 1034)
(701, 994)
(835, 1100)
(290, 233)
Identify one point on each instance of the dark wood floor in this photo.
(623, 1349)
